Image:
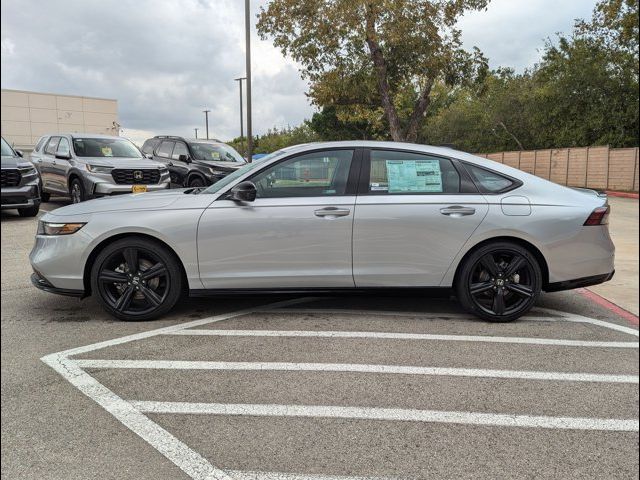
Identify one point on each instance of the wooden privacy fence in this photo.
(601, 168)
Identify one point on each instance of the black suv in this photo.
(20, 183)
(193, 162)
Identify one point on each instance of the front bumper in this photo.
(20, 197)
(43, 284)
(101, 189)
(579, 282)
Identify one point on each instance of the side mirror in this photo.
(184, 158)
(63, 156)
(149, 156)
(243, 192)
(19, 153)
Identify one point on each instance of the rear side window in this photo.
(165, 149)
(488, 181)
(150, 145)
(396, 172)
(52, 146)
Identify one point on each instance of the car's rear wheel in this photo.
(499, 282)
(136, 279)
(76, 191)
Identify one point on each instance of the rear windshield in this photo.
(105, 147)
(215, 153)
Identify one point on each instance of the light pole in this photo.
(206, 121)
(247, 27)
(196, 130)
(239, 80)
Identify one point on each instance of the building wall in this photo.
(26, 116)
(602, 168)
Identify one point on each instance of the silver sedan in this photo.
(332, 217)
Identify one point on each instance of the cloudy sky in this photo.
(166, 61)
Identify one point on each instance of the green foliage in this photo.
(276, 139)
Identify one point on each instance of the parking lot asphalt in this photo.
(305, 387)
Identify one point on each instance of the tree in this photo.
(375, 60)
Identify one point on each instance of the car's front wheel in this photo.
(76, 191)
(499, 282)
(136, 279)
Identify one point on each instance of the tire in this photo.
(76, 191)
(147, 291)
(499, 282)
(196, 182)
(29, 211)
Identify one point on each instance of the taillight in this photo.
(600, 216)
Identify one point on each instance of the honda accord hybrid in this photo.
(332, 217)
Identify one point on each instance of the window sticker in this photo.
(414, 176)
(215, 155)
(107, 152)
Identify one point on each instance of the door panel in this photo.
(276, 243)
(407, 240)
(47, 165)
(61, 166)
(413, 215)
(296, 234)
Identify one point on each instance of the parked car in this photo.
(333, 217)
(193, 162)
(20, 183)
(84, 166)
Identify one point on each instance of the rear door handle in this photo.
(457, 211)
(332, 212)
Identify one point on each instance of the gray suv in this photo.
(85, 166)
(20, 183)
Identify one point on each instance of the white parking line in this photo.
(244, 475)
(356, 368)
(402, 336)
(389, 414)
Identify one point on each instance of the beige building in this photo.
(26, 116)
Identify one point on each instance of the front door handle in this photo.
(332, 212)
(457, 211)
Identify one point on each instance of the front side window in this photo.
(105, 147)
(52, 146)
(215, 153)
(63, 147)
(488, 181)
(312, 175)
(165, 149)
(179, 149)
(396, 172)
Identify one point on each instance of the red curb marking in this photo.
(603, 302)
(622, 194)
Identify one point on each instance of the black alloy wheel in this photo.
(196, 182)
(136, 279)
(499, 282)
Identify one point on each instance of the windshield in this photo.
(6, 149)
(105, 147)
(215, 153)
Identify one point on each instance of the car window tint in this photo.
(149, 146)
(395, 172)
(179, 149)
(63, 146)
(488, 181)
(52, 145)
(40, 144)
(312, 175)
(165, 149)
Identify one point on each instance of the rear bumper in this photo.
(579, 282)
(20, 197)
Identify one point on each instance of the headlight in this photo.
(47, 228)
(26, 169)
(163, 170)
(99, 169)
(216, 173)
